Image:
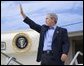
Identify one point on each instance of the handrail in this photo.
(72, 62)
(75, 58)
(11, 58)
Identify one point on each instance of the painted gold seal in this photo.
(21, 42)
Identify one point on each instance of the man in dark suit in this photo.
(53, 44)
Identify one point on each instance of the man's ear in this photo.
(55, 21)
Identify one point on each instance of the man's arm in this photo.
(65, 45)
(65, 41)
(30, 22)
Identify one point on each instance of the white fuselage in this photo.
(26, 57)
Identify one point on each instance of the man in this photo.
(53, 44)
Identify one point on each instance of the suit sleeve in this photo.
(32, 24)
(65, 42)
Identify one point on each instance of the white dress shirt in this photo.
(48, 38)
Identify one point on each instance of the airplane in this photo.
(19, 47)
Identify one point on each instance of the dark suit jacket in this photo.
(60, 42)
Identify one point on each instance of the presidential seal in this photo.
(21, 42)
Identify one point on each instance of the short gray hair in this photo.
(53, 15)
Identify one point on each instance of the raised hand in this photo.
(21, 12)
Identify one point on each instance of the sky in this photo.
(70, 14)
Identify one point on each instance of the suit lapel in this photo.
(55, 33)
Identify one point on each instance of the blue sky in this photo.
(70, 14)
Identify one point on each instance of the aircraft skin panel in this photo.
(25, 56)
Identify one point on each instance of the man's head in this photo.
(51, 19)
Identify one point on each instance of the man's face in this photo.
(50, 21)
